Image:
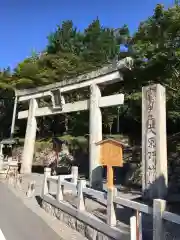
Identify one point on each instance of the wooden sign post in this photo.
(110, 177)
(110, 156)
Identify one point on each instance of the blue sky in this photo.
(24, 25)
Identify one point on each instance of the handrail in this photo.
(134, 205)
(95, 193)
(171, 217)
(158, 210)
(52, 179)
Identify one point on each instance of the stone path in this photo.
(32, 206)
(17, 222)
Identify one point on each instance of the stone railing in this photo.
(91, 226)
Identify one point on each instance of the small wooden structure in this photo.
(111, 154)
(6, 149)
(8, 162)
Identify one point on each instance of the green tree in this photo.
(6, 101)
(100, 44)
(66, 39)
(156, 47)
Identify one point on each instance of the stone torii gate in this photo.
(94, 80)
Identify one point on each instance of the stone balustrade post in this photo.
(45, 189)
(74, 172)
(158, 228)
(59, 195)
(81, 203)
(133, 229)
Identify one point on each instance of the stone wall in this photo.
(86, 230)
(40, 156)
(130, 174)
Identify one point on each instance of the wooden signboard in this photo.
(111, 154)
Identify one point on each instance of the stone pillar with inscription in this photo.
(154, 143)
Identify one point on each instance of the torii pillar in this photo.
(30, 138)
(95, 132)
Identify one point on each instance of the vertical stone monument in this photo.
(154, 145)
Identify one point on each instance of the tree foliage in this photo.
(155, 47)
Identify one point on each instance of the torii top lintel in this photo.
(108, 73)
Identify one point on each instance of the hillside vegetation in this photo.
(155, 47)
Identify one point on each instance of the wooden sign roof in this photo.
(113, 141)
